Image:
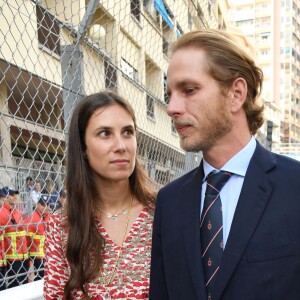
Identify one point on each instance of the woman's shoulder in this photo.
(147, 213)
(57, 230)
(57, 221)
(59, 216)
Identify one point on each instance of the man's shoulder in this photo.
(268, 159)
(3, 216)
(34, 216)
(181, 181)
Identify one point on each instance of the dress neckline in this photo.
(130, 232)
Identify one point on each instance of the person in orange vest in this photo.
(2, 253)
(36, 235)
(15, 244)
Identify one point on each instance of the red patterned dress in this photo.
(131, 278)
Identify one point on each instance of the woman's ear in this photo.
(239, 93)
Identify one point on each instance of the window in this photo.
(149, 7)
(162, 176)
(265, 37)
(150, 107)
(166, 96)
(264, 53)
(36, 154)
(190, 20)
(200, 17)
(173, 127)
(165, 46)
(179, 31)
(135, 9)
(200, 12)
(110, 76)
(129, 70)
(48, 30)
(211, 6)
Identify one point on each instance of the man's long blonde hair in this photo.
(227, 61)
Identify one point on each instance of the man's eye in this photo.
(189, 90)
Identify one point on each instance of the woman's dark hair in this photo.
(85, 244)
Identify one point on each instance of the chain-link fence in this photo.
(54, 52)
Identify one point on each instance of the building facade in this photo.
(273, 28)
(55, 52)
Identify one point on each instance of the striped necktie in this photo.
(211, 228)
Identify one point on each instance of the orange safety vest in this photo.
(15, 244)
(36, 234)
(2, 253)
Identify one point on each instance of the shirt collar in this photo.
(238, 164)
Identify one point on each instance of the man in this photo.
(29, 184)
(36, 235)
(254, 252)
(36, 192)
(53, 194)
(15, 246)
(60, 204)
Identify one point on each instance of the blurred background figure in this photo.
(1, 198)
(50, 190)
(61, 201)
(36, 192)
(29, 184)
(15, 245)
(28, 188)
(2, 253)
(36, 235)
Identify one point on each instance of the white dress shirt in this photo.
(230, 193)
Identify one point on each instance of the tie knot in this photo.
(216, 181)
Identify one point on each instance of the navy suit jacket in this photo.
(261, 260)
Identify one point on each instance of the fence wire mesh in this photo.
(53, 53)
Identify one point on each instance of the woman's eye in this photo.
(103, 133)
(128, 132)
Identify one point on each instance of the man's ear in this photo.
(238, 93)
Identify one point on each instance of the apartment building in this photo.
(290, 70)
(273, 28)
(55, 52)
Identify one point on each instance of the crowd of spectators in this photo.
(22, 230)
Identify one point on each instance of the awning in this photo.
(160, 7)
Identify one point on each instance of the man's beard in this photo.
(214, 129)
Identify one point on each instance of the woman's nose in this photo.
(120, 144)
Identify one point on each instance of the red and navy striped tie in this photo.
(211, 228)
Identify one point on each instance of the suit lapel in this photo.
(191, 229)
(253, 199)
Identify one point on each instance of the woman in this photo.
(98, 247)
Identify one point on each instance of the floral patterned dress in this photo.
(131, 278)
